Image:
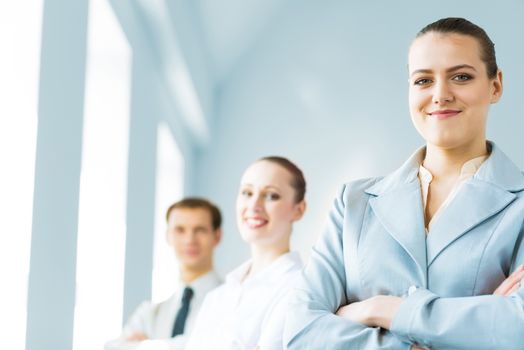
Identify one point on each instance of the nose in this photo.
(255, 203)
(442, 94)
(191, 236)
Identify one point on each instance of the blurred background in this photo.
(110, 110)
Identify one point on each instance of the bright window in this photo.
(103, 182)
(20, 34)
(169, 188)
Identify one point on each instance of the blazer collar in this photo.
(490, 190)
(500, 171)
(406, 174)
(497, 170)
(396, 201)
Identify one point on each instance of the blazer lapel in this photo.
(400, 212)
(489, 191)
(474, 203)
(397, 204)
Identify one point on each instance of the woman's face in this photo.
(449, 90)
(266, 207)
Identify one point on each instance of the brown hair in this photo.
(462, 26)
(298, 182)
(194, 203)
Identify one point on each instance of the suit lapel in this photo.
(400, 213)
(485, 195)
(397, 204)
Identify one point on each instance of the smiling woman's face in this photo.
(266, 205)
(449, 90)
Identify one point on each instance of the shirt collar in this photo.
(201, 285)
(468, 169)
(274, 271)
(497, 170)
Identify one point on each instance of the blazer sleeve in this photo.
(311, 322)
(476, 322)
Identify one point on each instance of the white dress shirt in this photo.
(246, 313)
(156, 320)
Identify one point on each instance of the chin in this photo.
(444, 140)
(193, 261)
(250, 236)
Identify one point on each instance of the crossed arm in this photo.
(379, 311)
(316, 320)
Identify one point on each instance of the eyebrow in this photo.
(264, 188)
(449, 70)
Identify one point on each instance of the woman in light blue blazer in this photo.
(431, 255)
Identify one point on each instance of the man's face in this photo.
(190, 232)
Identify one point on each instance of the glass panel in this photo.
(103, 182)
(20, 35)
(169, 188)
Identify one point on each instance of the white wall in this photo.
(327, 87)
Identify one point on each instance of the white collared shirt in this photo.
(156, 320)
(466, 172)
(242, 314)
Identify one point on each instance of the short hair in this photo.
(298, 182)
(196, 203)
(457, 25)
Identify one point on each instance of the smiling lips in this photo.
(444, 113)
(255, 222)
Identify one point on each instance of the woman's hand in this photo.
(380, 310)
(376, 311)
(510, 284)
(356, 312)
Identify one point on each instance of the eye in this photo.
(462, 77)
(246, 193)
(422, 81)
(200, 230)
(271, 196)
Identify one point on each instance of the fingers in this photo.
(512, 283)
(513, 289)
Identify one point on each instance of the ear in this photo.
(218, 236)
(300, 208)
(497, 87)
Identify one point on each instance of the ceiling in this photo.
(196, 45)
(230, 28)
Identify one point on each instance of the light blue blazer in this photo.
(375, 243)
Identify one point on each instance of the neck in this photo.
(262, 257)
(445, 163)
(189, 274)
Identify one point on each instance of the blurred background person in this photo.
(247, 311)
(193, 231)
